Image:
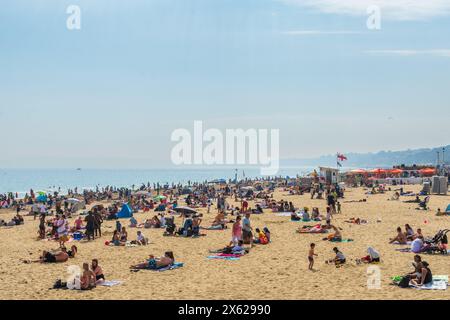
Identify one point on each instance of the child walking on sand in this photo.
(311, 255)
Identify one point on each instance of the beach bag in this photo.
(404, 282)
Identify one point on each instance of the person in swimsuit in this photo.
(51, 257)
(97, 270)
(87, 278)
(236, 231)
(311, 255)
(425, 277)
(400, 238)
(156, 263)
(123, 235)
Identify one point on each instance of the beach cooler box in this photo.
(77, 236)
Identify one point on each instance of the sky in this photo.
(111, 93)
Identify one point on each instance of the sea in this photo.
(49, 180)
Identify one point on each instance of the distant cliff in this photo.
(378, 159)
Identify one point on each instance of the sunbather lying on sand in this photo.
(352, 201)
(356, 221)
(312, 229)
(416, 200)
(156, 262)
(62, 255)
(233, 249)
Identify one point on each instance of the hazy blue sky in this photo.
(111, 93)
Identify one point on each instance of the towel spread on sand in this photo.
(284, 214)
(402, 244)
(171, 267)
(435, 285)
(223, 258)
(440, 282)
(342, 240)
(409, 250)
(109, 283)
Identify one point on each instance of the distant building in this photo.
(330, 175)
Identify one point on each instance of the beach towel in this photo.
(440, 282)
(223, 257)
(404, 249)
(284, 214)
(408, 243)
(171, 267)
(434, 285)
(342, 240)
(109, 283)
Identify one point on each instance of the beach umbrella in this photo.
(185, 210)
(159, 197)
(396, 171)
(427, 171)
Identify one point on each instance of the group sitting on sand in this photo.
(408, 235)
(421, 275)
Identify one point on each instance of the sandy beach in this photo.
(275, 271)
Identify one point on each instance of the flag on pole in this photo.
(341, 157)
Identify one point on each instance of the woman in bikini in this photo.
(87, 279)
(156, 263)
(97, 270)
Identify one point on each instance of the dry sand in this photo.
(276, 271)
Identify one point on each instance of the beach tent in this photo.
(448, 208)
(41, 198)
(126, 212)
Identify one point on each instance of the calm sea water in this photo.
(21, 180)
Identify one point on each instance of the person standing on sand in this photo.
(236, 234)
(98, 223)
(311, 255)
(90, 226)
(247, 235)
